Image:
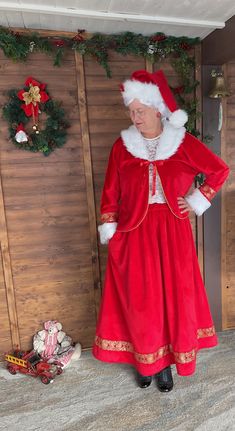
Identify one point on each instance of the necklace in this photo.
(152, 139)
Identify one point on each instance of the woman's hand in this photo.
(183, 205)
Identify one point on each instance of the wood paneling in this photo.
(8, 297)
(5, 333)
(88, 175)
(228, 204)
(45, 204)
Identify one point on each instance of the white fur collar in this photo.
(170, 140)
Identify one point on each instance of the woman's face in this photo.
(144, 117)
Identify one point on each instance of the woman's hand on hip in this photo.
(183, 205)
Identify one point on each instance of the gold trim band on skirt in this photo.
(150, 358)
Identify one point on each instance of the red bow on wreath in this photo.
(32, 96)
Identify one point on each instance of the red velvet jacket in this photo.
(180, 157)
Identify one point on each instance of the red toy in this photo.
(31, 363)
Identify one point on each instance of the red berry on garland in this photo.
(185, 46)
(15, 33)
(158, 38)
(178, 90)
(59, 42)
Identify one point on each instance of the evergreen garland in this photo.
(18, 46)
(154, 48)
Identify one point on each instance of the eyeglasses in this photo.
(138, 112)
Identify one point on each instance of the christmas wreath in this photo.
(26, 106)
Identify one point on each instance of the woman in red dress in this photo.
(154, 310)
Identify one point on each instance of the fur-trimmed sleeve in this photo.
(109, 207)
(213, 167)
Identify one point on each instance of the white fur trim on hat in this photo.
(198, 202)
(150, 95)
(147, 93)
(106, 231)
(178, 118)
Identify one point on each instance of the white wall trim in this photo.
(126, 17)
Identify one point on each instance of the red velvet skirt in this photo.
(154, 310)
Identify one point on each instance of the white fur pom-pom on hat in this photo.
(178, 118)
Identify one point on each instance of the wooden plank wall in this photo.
(52, 263)
(5, 335)
(228, 203)
(46, 209)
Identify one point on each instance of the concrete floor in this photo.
(104, 397)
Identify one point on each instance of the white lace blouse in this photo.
(152, 146)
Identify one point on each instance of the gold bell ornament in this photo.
(35, 128)
(218, 92)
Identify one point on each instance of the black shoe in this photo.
(144, 381)
(165, 380)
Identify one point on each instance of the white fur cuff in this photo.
(198, 202)
(106, 231)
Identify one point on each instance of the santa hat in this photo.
(152, 89)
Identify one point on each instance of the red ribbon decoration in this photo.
(155, 163)
(154, 179)
(33, 108)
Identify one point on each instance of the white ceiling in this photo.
(173, 17)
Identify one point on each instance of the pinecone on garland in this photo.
(79, 37)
